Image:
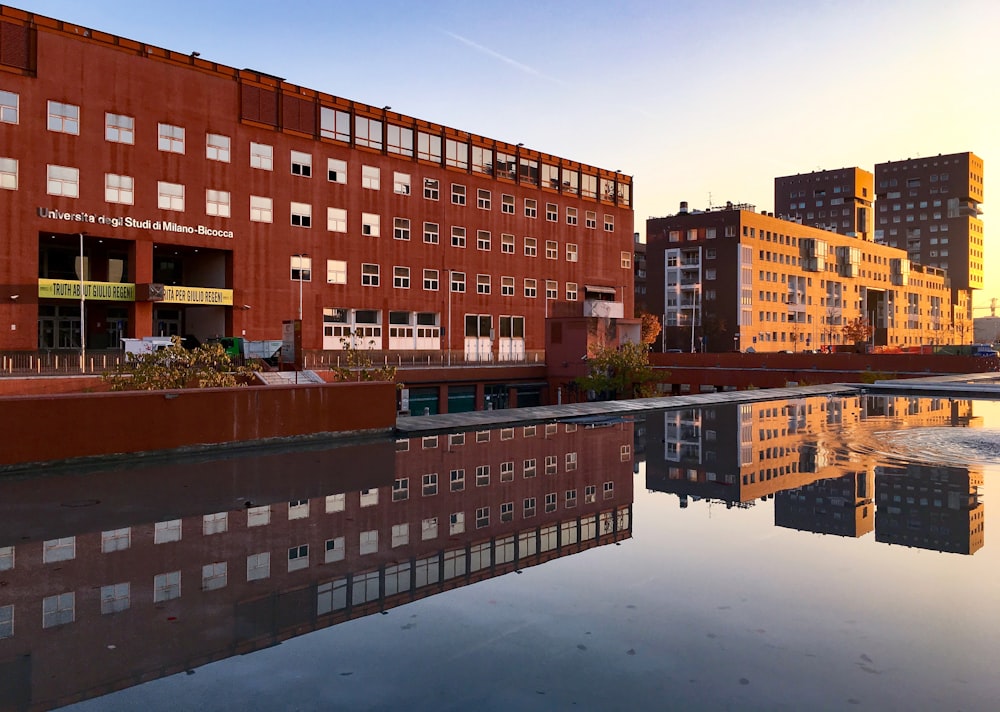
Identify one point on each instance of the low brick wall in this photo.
(58, 427)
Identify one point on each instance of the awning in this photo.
(600, 290)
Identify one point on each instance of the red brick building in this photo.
(244, 200)
(838, 200)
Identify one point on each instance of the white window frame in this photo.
(63, 118)
(119, 189)
(170, 138)
(371, 177)
(336, 271)
(400, 183)
(336, 219)
(170, 196)
(119, 128)
(371, 224)
(218, 147)
(62, 181)
(336, 171)
(218, 203)
(261, 156)
(301, 164)
(300, 214)
(261, 209)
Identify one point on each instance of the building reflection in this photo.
(158, 569)
(793, 452)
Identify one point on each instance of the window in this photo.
(401, 277)
(457, 480)
(368, 132)
(216, 147)
(572, 253)
(609, 223)
(63, 180)
(399, 140)
(456, 523)
(530, 468)
(119, 189)
(261, 156)
(401, 489)
(458, 237)
(6, 558)
(368, 542)
(9, 104)
(214, 576)
(259, 566)
(65, 118)
(401, 183)
(170, 138)
(507, 471)
(552, 212)
(428, 147)
(216, 523)
(590, 494)
(336, 219)
(507, 286)
(370, 177)
(483, 240)
(336, 170)
(371, 224)
(528, 509)
(58, 610)
(590, 219)
(169, 196)
(570, 461)
(609, 490)
(484, 199)
(530, 288)
(114, 540)
(456, 154)
(115, 598)
(431, 233)
(530, 247)
(551, 465)
(164, 532)
(400, 535)
(8, 173)
(571, 291)
(301, 214)
(7, 621)
(302, 164)
(530, 208)
(570, 499)
(482, 517)
(259, 516)
(625, 454)
(458, 281)
(482, 284)
(627, 260)
(117, 128)
(166, 586)
(551, 250)
(260, 209)
(551, 289)
(430, 280)
(301, 271)
(401, 228)
(298, 557)
(457, 194)
(298, 509)
(369, 275)
(507, 204)
(334, 550)
(217, 203)
(431, 189)
(429, 485)
(571, 218)
(55, 550)
(507, 244)
(550, 502)
(428, 528)
(482, 476)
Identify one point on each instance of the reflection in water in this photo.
(836, 466)
(159, 569)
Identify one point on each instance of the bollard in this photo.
(427, 410)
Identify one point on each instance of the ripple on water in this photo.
(931, 446)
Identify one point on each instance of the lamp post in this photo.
(83, 313)
(448, 335)
(300, 255)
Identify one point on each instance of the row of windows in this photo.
(120, 128)
(60, 609)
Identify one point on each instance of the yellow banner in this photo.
(95, 291)
(197, 295)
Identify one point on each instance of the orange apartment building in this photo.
(734, 279)
(792, 451)
(246, 201)
(173, 580)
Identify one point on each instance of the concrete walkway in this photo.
(600, 410)
(982, 386)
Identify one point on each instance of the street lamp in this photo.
(83, 314)
(300, 256)
(448, 334)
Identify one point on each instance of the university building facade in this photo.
(181, 196)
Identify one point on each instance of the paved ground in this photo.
(483, 419)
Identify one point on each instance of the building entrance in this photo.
(58, 327)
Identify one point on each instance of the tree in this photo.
(621, 372)
(207, 366)
(858, 331)
(650, 327)
(359, 365)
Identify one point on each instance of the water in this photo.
(813, 554)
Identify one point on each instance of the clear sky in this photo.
(698, 100)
